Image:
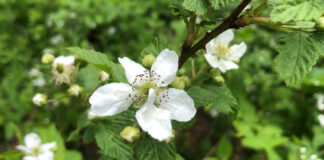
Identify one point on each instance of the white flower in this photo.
(220, 55)
(35, 150)
(57, 39)
(111, 30)
(321, 119)
(103, 76)
(39, 82)
(303, 149)
(320, 101)
(313, 157)
(34, 72)
(75, 90)
(39, 99)
(62, 69)
(161, 104)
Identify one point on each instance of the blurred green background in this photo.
(272, 120)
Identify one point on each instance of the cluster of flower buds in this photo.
(319, 24)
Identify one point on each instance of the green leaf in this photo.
(298, 54)
(151, 149)
(82, 123)
(304, 11)
(183, 125)
(224, 149)
(10, 154)
(155, 47)
(120, 121)
(88, 78)
(95, 58)
(219, 4)
(219, 97)
(198, 6)
(319, 39)
(112, 145)
(75, 155)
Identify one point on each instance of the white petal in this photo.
(178, 102)
(225, 38)
(165, 68)
(211, 46)
(30, 158)
(225, 65)
(212, 60)
(49, 155)
(48, 146)
(237, 51)
(32, 140)
(136, 74)
(23, 148)
(64, 60)
(111, 99)
(155, 121)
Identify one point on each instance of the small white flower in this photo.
(72, 15)
(34, 72)
(103, 76)
(321, 119)
(40, 99)
(303, 149)
(161, 104)
(57, 39)
(92, 115)
(39, 82)
(112, 30)
(313, 157)
(62, 69)
(220, 55)
(75, 90)
(35, 150)
(320, 101)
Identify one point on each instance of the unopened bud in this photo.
(182, 71)
(47, 58)
(75, 90)
(103, 76)
(319, 25)
(130, 133)
(148, 60)
(92, 116)
(39, 99)
(181, 82)
(219, 79)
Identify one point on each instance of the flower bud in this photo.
(303, 150)
(92, 116)
(130, 133)
(148, 60)
(75, 90)
(181, 82)
(171, 137)
(219, 79)
(103, 76)
(39, 99)
(319, 25)
(182, 71)
(47, 58)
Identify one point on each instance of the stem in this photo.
(266, 22)
(199, 72)
(193, 70)
(228, 23)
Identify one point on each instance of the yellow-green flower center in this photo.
(222, 51)
(144, 89)
(59, 68)
(36, 151)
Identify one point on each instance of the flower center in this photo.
(59, 68)
(144, 89)
(35, 151)
(222, 51)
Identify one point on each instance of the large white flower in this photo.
(62, 69)
(35, 150)
(320, 101)
(169, 103)
(220, 55)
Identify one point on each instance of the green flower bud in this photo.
(181, 82)
(172, 136)
(148, 60)
(130, 133)
(319, 25)
(103, 76)
(75, 90)
(40, 99)
(182, 71)
(47, 58)
(219, 79)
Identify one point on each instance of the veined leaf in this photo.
(218, 4)
(198, 6)
(304, 11)
(219, 97)
(298, 54)
(112, 145)
(151, 149)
